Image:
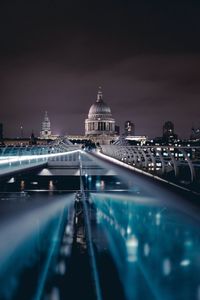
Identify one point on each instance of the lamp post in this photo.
(21, 131)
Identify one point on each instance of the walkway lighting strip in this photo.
(20, 158)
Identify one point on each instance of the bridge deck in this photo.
(145, 236)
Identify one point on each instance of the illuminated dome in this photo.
(99, 108)
(100, 121)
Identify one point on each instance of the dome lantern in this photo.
(99, 95)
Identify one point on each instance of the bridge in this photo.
(23, 158)
(159, 159)
(117, 222)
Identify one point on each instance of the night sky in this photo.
(54, 54)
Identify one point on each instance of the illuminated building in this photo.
(100, 125)
(46, 127)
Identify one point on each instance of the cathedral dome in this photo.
(99, 108)
(100, 125)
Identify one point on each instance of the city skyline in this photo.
(60, 129)
(54, 56)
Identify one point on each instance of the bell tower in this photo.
(46, 127)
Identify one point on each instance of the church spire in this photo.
(46, 118)
(99, 95)
(46, 127)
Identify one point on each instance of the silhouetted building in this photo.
(33, 140)
(195, 134)
(129, 128)
(1, 133)
(168, 132)
(117, 129)
(168, 128)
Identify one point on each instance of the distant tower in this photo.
(1, 133)
(195, 133)
(46, 127)
(33, 140)
(168, 129)
(168, 132)
(129, 128)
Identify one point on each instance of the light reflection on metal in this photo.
(128, 230)
(132, 248)
(166, 266)
(20, 242)
(51, 185)
(188, 243)
(146, 249)
(185, 263)
(65, 250)
(102, 185)
(61, 268)
(11, 180)
(55, 294)
(158, 219)
(22, 185)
